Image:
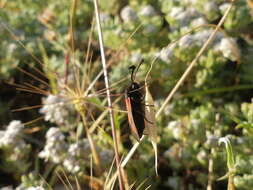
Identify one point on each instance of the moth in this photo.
(134, 104)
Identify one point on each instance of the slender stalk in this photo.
(101, 44)
(94, 152)
(210, 171)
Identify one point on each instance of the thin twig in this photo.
(101, 44)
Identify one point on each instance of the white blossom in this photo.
(55, 147)
(36, 188)
(136, 58)
(12, 134)
(186, 16)
(78, 154)
(223, 7)
(198, 21)
(229, 49)
(166, 53)
(211, 8)
(148, 11)
(187, 41)
(176, 129)
(175, 11)
(104, 17)
(55, 109)
(72, 164)
(128, 14)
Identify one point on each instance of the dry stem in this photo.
(116, 150)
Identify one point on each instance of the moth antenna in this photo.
(132, 74)
(133, 68)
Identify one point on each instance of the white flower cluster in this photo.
(12, 135)
(55, 109)
(147, 15)
(176, 129)
(229, 49)
(12, 140)
(128, 14)
(182, 17)
(22, 187)
(36, 188)
(78, 154)
(166, 54)
(136, 57)
(148, 11)
(221, 44)
(55, 148)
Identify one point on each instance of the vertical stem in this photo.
(101, 44)
(210, 171)
(231, 185)
(92, 146)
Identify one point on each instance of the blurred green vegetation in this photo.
(214, 101)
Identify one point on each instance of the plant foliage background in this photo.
(214, 101)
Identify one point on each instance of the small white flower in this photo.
(223, 7)
(55, 109)
(54, 134)
(128, 14)
(186, 16)
(229, 49)
(210, 7)
(198, 21)
(136, 58)
(12, 47)
(187, 41)
(202, 36)
(148, 11)
(176, 129)
(175, 11)
(55, 148)
(166, 53)
(36, 188)
(202, 156)
(12, 135)
(72, 164)
(15, 126)
(80, 148)
(104, 17)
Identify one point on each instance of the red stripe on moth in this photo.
(131, 119)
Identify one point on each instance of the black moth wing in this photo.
(136, 115)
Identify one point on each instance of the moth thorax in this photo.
(134, 86)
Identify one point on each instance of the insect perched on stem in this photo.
(134, 104)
